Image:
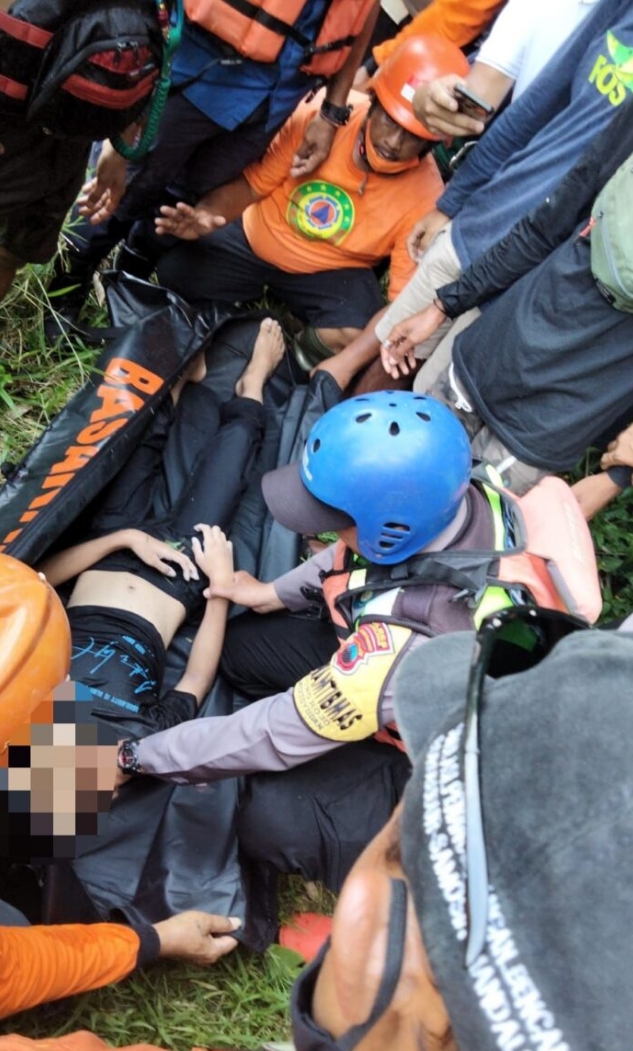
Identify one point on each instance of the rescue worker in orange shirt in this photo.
(313, 243)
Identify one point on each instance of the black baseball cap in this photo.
(556, 778)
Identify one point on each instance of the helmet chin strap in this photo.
(377, 163)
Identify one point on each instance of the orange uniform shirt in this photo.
(339, 216)
(38, 964)
(460, 21)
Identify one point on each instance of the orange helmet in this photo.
(417, 61)
(34, 644)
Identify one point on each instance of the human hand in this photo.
(247, 590)
(397, 353)
(436, 106)
(214, 555)
(620, 451)
(316, 145)
(157, 553)
(186, 222)
(102, 194)
(424, 233)
(198, 937)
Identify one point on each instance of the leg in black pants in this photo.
(192, 466)
(315, 820)
(264, 655)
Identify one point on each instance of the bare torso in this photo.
(126, 591)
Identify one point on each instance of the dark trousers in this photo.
(192, 156)
(223, 268)
(316, 818)
(192, 466)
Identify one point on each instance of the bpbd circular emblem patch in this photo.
(321, 211)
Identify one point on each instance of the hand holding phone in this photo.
(471, 104)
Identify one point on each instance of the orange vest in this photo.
(258, 29)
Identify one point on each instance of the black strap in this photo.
(276, 25)
(284, 29)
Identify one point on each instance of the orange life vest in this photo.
(258, 29)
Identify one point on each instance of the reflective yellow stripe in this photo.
(357, 579)
(493, 598)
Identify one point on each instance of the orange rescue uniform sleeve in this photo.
(38, 964)
(460, 21)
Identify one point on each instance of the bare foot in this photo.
(267, 353)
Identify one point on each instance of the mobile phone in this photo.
(471, 104)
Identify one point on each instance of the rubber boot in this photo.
(67, 291)
(87, 247)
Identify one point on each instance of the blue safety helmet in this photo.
(398, 463)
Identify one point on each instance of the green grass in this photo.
(242, 1001)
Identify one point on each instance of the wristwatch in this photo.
(337, 116)
(128, 761)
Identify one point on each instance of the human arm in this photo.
(550, 224)
(512, 132)
(331, 706)
(456, 20)
(286, 592)
(596, 491)
(214, 556)
(397, 353)
(156, 553)
(319, 134)
(38, 964)
(102, 194)
(212, 211)
(437, 105)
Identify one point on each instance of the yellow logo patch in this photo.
(341, 701)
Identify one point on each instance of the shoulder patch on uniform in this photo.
(341, 700)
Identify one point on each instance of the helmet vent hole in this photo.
(394, 429)
(316, 446)
(364, 417)
(424, 416)
(397, 527)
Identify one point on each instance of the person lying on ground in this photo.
(517, 163)
(129, 601)
(481, 916)
(314, 242)
(325, 674)
(57, 773)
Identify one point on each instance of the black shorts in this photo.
(223, 268)
(121, 658)
(40, 177)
